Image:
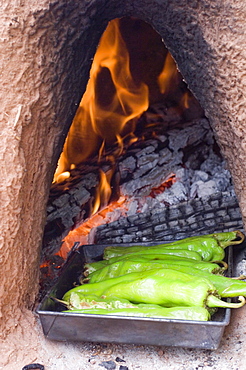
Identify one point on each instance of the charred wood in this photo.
(166, 144)
(216, 213)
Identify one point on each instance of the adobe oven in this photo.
(47, 51)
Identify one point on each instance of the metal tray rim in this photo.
(155, 319)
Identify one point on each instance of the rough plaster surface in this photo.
(39, 56)
(45, 54)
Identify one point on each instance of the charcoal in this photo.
(146, 150)
(127, 165)
(191, 135)
(212, 164)
(204, 189)
(183, 148)
(222, 180)
(165, 156)
(118, 359)
(65, 210)
(109, 365)
(133, 208)
(126, 239)
(144, 168)
(210, 223)
(34, 366)
(148, 159)
(217, 213)
(210, 215)
(200, 176)
(176, 194)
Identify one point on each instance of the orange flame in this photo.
(168, 78)
(187, 100)
(103, 192)
(111, 104)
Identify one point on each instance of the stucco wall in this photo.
(45, 52)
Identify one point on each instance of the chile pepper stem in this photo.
(239, 235)
(86, 272)
(240, 277)
(213, 301)
(223, 263)
(60, 301)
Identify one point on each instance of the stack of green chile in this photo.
(179, 280)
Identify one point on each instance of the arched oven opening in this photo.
(47, 53)
(141, 162)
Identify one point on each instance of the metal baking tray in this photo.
(60, 326)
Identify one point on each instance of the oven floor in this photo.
(28, 345)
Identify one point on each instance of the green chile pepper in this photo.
(226, 287)
(100, 287)
(211, 247)
(89, 268)
(91, 304)
(166, 287)
(94, 266)
(140, 264)
(206, 247)
(155, 250)
(228, 238)
(224, 239)
(176, 313)
(169, 288)
(78, 300)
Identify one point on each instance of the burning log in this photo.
(163, 155)
(65, 206)
(71, 202)
(218, 212)
(188, 150)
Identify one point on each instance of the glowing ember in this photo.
(165, 185)
(84, 233)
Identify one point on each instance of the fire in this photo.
(103, 192)
(63, 176)
(118, 92)
(169, 77)
(186, 100)
(114, 99)
(109, 107)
